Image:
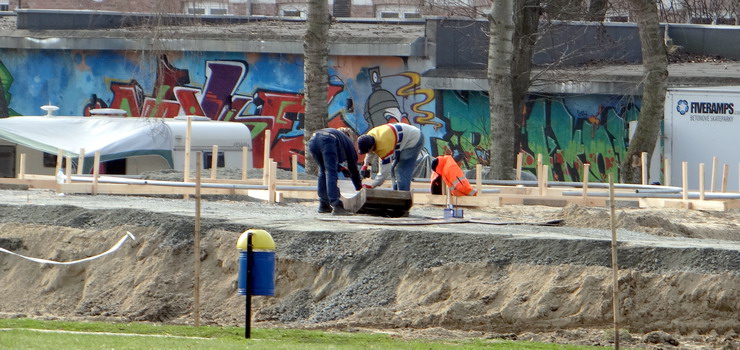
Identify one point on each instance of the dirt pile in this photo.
(525, 282)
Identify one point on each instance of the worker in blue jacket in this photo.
(333, 151)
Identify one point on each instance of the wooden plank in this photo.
(22, 170)
(462, 201)
(584, 179)
(554, 200)
(683, 204)
(133, 189)
(96, 172)
(81, 161)
(266, 156)
(214, 162)
(60, 160)
(294, 167)
(644, 167)
(667, 172)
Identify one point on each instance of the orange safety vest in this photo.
(453, 177)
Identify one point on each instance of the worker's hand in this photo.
(367, 186)
(365, 172)
(345, 171)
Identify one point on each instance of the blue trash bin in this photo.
(262, 281)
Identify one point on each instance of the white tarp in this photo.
(115, 138)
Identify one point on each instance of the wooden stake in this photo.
(245, 163)
(96, 172)
(543, 180)
(478, 178)
(272, 173)
(186, 163)
(81, 161)
(667, 172)
(586, 169)
(60, 160)
(68, 169)
(645, 170)
(615, 265)
(519, 158)
(685, 179)
(196, 243)
(214, 162)
(294, 167)
(725, 175)
(22, 170)
(266, 157)
(539, 165)
(701, 181)
(714, 174)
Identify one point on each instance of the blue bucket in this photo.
(263, 273)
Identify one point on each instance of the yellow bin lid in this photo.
(261, 240)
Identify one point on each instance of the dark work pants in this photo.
(324, 150)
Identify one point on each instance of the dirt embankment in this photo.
(415, 280)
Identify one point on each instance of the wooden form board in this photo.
(507, 195)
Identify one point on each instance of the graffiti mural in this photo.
(265, 92)
(567, 131)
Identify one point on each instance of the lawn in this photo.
(57, 335)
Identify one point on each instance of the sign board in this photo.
(700, 124)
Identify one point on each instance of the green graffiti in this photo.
(566, 142)
(7, 81)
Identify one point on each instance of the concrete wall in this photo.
(464, 44)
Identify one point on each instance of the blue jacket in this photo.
(346, 153)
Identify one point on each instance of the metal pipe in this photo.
(116, 180)
(429, 190)
(691, 195)
(570, 184)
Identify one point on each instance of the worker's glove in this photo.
(344, 171)
(365, 172)
(367, 186)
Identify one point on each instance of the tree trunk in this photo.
(527, 21)
(597, 10)
(315, 73)
(655, 66)
(500, 52)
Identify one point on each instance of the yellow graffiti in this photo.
(412, 88)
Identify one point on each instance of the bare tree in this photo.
(500, 55)
(655, 66)
(315, 73)
(526, 19)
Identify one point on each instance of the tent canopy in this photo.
(115, 138)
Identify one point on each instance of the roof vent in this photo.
(50, 110)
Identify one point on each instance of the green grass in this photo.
(57, 335)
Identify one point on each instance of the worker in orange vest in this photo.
(446, 169)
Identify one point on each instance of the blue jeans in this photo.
(403, 167)
(324, 149)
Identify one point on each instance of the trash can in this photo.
(256, 263)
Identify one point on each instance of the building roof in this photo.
(259, 35)
(348, 37)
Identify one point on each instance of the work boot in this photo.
(339, 210)
(324, 208)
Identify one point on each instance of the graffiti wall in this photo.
(265, 92)
(567, 131)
